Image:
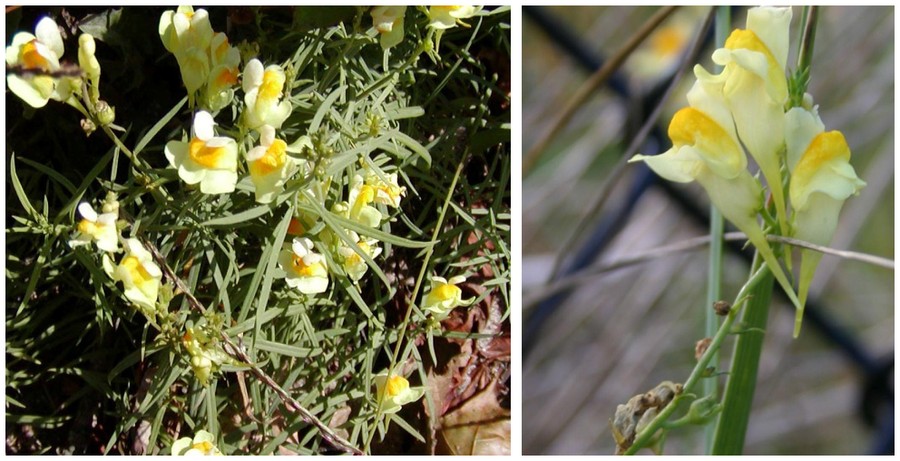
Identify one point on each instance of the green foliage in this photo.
(88, 372)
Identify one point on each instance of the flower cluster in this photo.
(744, 107)
(206, 356)
(37, 74)
(206, 59)
(388, 22)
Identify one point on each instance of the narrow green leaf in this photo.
(285, 349)
(20, 192)
(237, 218)
(324, 108)
(52, 173)
(159, 125)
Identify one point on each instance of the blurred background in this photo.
(620, 332)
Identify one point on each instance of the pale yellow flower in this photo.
(203, 444)
(39, 53)
(304, 268)
(263, 89)
(207, 159)
(387, 190)
(270, 166)
(139, 275)
(361, 197)
(388, 21)
(821, 180)
(97, 228)
(753, 86)
(394, 392)
(223, 75)
(354, 265)
(206, 358)
(187, 34)
(446, 17)
(445, 296)
(706, 149)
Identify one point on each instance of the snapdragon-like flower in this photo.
(393, 392)
(821, 180)
(203, 444)
(97, 228)
(40, 54)
(207, 159)
(270, 166)
(754, 87)
(388, 21)
(304, 268)
(206, 357)
(224, 61)
(442, 18)
(139, 275)
(446, 17)
(387, 190)
(361, 197)
(353, 263)
(262, 95)
(445, 296)
(187, 34)
(706, 149)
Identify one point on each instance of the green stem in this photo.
(716, 229)
(738, 398)
(808, 41)
(424, 268)
(762, 274)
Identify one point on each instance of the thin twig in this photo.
(239, 354)
(589, 272)
(594, 82)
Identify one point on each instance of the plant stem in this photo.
(762, 274)
(716, 229)
(738, 398)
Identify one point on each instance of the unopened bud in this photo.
(722, 308)
(106, 114)
(701, 347)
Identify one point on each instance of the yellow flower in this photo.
(139, 275)
(207, 159)
(394, 392)
(270, 166)
(821, 180)
(304, 268)
(705, 148)
(754, 87)
(445, 296)
(187, 34)
(262, 95)
(98, 228)
(387, 190)
(40, 54)
(359, 201)
(661, 52)
(445, 17)
(442, 18)
(353, 263)
(388, 21)
(206, 358)
(203, 444)
(223, 76)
